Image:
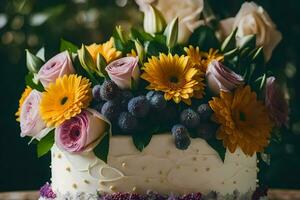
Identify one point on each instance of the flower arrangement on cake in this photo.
(185, 74)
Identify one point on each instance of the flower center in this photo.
(174, 79)
(64, 100)
(242, 116)
(74, 134)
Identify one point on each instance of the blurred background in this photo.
(31, 24)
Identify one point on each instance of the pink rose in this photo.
(56, 67)
(30, 120)
(122, 70)
(276, 103)
(222, 78)
(82, 132)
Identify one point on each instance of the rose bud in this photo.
(219, 77)
(121, 71)
(276, 103)
(82, 132)
(56, 67)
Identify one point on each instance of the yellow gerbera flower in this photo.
(202, 59)
(21, 101)
(175, 76)
(212, 54)
(244, 120)
(106, 49)
(64, 99)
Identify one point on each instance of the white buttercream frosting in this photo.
(159, 167)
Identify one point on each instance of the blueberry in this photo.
(110, 110)
(126, 95)
(207, 130)
(150, 94)
(127, 122)
(181, 136)
(168, 114)
(189, 118)
(204, 112)
(139, 106)
(98, 106)
(109, 90)
(157, 101)
(96, 92)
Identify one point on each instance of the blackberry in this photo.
(206, 130)
(139, 106)
(96, 92)
(204, 112)
(150, 94)
(192, 196)
(189, 118)
(109, 90)
(157, 101)
(126, 95)
(181, 136)
(127, 122)
(110, 110)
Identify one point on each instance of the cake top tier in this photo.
(186, 72)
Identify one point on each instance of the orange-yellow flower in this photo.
(21, 101)
(244, 121)
(65, 99)
(175, 76)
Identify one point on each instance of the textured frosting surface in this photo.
(160, 167)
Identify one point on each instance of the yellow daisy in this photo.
(21, 101)
(65, 99)
(244, 120)
(106, 49)
(212, 54)
(175, 76)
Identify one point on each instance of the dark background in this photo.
(32, 24)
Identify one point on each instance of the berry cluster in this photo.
(196, 123)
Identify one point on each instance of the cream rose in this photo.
(253, 19)
(188, 12)
(30, 120)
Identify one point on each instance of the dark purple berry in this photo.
(139, 106)
(96, 92)
(192, 196)
(127, 122)
(181, 136)
(189, 118)
(110, 110)
(157, 101)
(126, 95)
(169, 114)
(206, 130)
(150, 94)
(109, 90)
(204, 112)
(98, 106)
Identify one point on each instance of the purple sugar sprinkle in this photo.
(47, 192)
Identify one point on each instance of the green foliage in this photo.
(141, 139)
(46, 143)
(217, 145)
(102, 149)
(68, 46)
(204, 37)
(32, 82)
(33, 62)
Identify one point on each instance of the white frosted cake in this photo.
(177, 111)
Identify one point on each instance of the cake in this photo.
(179, 110)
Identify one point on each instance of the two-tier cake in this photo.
(177, 111)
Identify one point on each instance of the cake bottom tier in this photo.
(159, 167)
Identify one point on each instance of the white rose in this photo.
(253, 19)
(188, 12)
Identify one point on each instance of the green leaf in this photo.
(218, 146)
(45, 144)
(141, 140)
(102, 149)
(140, 35)
(134, 84)
(68, 46)
(229, 42)
(41, 54)
(204, 37)
(153, 48)
(248, 41)
(31, 82)
(33, 62)
(171, 33)
(101, 64)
